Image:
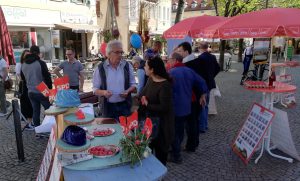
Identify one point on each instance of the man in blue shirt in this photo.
(114, 81)
(184, 80)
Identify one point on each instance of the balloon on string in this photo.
(136, 41)
(103, 49)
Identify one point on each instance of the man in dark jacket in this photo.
(35, 71)
(207, 67)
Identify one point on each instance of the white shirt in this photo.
(188, 58)
(3, 65)
(248, 51)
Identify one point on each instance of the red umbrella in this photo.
(258, 24)
(192, 27)
(6, 49)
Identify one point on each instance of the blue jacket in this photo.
(184, 80)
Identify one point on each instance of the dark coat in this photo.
(207, 67)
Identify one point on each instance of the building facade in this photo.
(53, 25)
(158, 16)
(194, 8)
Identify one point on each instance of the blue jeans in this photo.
(179, 135)
(36, 100)
(115, 110)
(246, 62)
(203, 117)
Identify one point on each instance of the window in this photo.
(164, 13)
(79, 1)
(194, 4)
(174, 6)
(159, 12)
(203, 3)
(168, 13)
(20, 39)
(185, 5)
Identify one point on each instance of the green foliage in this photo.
(285, 3)
(230, 8)
(107, 35)
(160, 38)
(134, 146)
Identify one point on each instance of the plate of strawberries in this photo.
(103, 131)
(104, 151)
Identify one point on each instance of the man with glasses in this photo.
(114, 81)
(73, 69)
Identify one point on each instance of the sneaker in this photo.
(29, 127)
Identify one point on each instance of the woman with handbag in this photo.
(26, 107)
(157, 103)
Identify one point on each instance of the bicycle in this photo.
(228, 64)
(259, 73)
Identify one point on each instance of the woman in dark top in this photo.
(156, 101)
(26, 107)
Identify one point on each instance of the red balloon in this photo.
(103, 49)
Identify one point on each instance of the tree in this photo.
(229, 8)
(180, 9)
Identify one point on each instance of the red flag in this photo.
(123, 124)
(148, 127)
(132, 120)
(62, 83)
(42, 87)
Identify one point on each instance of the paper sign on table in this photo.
(62, 83)
(252, 132)
(42, 87)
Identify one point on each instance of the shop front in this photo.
(27, 27)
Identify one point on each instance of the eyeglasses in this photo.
(69, 54)
(118, 52)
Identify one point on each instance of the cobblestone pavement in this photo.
(213, 160)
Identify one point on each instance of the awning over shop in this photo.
(78, 28)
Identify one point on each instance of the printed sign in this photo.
(42, 87)
(52, 94)
(45, 167)
(281, 134)
(62, 83)
(55, 38)
(252, 132)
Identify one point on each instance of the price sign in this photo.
(252, 132)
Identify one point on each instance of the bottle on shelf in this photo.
(272, 78)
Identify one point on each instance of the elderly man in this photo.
(114, 81)
(3, 76)
(73, 69)
(184, 81)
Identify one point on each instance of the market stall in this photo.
(82, 147)
(266, 23)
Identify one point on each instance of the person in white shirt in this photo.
(3, 77)
(248, 55)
